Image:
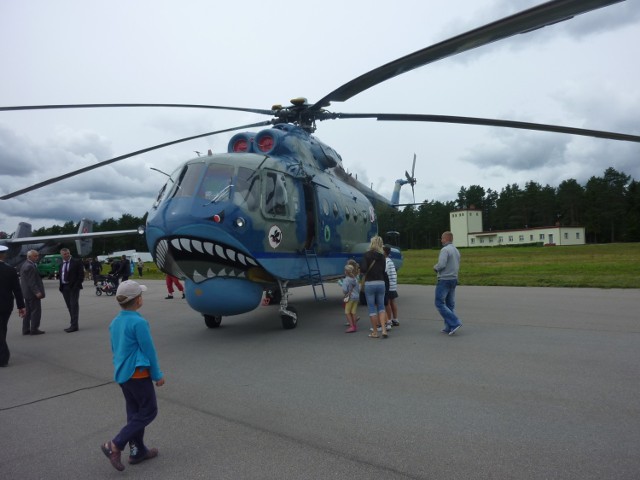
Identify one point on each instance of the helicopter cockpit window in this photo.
(275, 194)
(247, 189)
(187, 180)
(217, 182)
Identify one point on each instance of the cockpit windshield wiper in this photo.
(219, 195)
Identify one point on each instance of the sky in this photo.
(254, 54)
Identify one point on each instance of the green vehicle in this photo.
(49, 265)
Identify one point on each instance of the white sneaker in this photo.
(389, 325)
(454, 330)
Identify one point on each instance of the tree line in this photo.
(104, 246)
(607, 206)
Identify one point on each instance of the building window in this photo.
(511, 238)
(531, 238)
(542, 236)
(473, 240)
(566, 235)
(577, 235)
(499, 239)
(521, 238)
(482, 240)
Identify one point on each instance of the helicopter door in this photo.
(310, 216)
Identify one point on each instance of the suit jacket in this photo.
(75, 275)
(9, 288)
(30, 280)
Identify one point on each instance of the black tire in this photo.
(212, 321)
(289, 322)
(111, 293)
(98, 292)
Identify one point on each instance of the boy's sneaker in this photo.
(151, 453)
(389, 325)
(112, 455)
(168, 297)
(395, 322)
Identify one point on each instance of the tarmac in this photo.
(539, 383)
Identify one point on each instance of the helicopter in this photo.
(278, 209)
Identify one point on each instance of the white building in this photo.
(466, 226)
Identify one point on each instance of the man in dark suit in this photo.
(71, 275)
(33, 292)
(9, 290)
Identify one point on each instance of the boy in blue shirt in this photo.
(136, 368)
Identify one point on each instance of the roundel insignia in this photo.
(327, 233)
(275, 236)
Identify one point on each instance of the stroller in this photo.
(106, 284)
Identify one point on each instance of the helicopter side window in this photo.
(247, 189)
(216, 182)
(275, 194)
(187, 180)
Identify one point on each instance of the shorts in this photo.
(392, 294)
(351, 307)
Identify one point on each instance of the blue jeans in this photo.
(374, 293)
(446, 303)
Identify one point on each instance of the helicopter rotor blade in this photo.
(413, 168)
(122, 157)
(411, 117)
(132, 105)
(537, 17)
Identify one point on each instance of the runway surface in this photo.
(539, 383)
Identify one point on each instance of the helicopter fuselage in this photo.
(234, 224)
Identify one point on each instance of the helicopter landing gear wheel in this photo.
(289, 317)
(213, 321)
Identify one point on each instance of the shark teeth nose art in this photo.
(200, 260)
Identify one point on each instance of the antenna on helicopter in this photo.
(158, 170)
(196, 151)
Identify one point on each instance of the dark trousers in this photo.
(71, 297)
(31, 320)
(142, 408)
(4, 348)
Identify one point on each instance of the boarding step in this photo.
(315, 277)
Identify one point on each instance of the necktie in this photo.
(65, 269)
